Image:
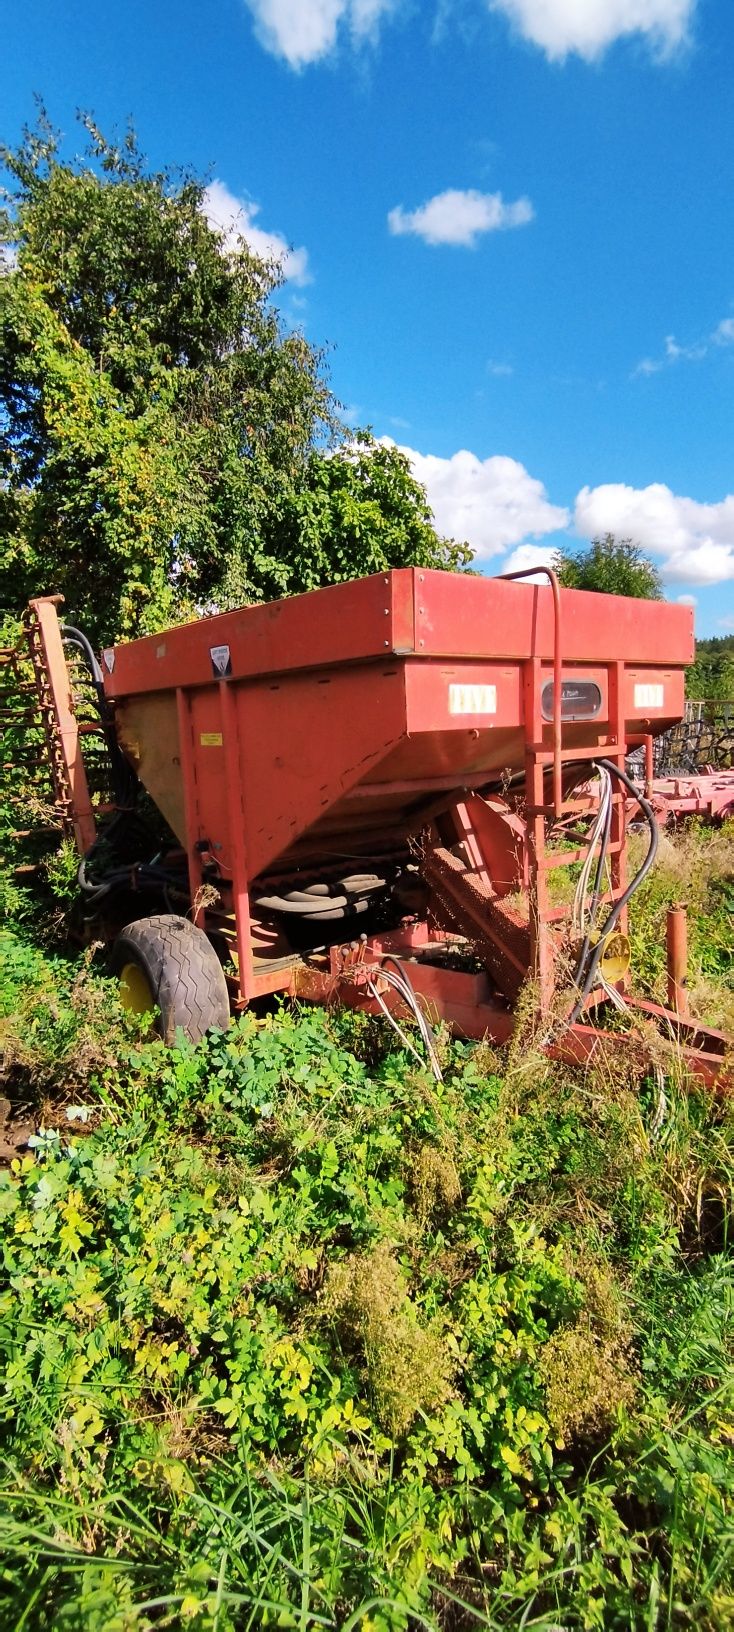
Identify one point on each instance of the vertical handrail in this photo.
(530, 572)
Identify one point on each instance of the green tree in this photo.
(711, 676)
(152, 409)
(359, 510)
(610, 566)
(159, 427)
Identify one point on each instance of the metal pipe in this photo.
(530, 572)
(649, 765)
(677, 939)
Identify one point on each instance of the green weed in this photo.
(291, 1335)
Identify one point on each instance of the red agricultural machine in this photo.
(364, 793)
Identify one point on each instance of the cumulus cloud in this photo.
(305, 31)
(531, 556)
(509, 520)
(492, 503)
(694, 541)
(301, 32)
(460, 217)
(235, 218)
(588, 27)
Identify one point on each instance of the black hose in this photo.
(77, 638)
(619, 906)
(124, 779)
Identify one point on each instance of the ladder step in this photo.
(566, 858)
(544, 756)
(559, 915)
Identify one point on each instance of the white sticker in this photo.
(472, 699)
(649, 696)
(221, 660)
(109, 658)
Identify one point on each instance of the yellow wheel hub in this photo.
(136, 992)
(616, 957)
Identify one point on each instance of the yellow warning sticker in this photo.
(211, 739)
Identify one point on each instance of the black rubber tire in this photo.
(183, 970)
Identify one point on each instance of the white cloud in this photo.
(687, 600)
(235, 218)
(503, 511)
(460, 217)
(676, 353)
(649, 365)
(722, 335)
(530, 556)
(492, 503)
(305, 31)
(588, 27)
(695, 542)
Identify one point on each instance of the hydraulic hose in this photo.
(124, 780)
(77, 638)
(632, 887)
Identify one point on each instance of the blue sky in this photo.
(512, 222)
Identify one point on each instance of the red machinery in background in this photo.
(363, 787)
(707, 794)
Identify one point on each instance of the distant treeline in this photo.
(712, 674)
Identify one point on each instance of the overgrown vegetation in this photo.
(712, 674)
(290, 1335)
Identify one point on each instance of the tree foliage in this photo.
(359, 510)
(159, 426)
(711, 677)
(610, 566)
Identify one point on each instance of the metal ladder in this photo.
(39, 733)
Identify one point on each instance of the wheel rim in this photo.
(136, 992)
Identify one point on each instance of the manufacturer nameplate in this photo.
(466, 699)
(647, 696)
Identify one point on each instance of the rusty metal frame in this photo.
(61, 730)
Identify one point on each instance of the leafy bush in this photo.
(290, 1335)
